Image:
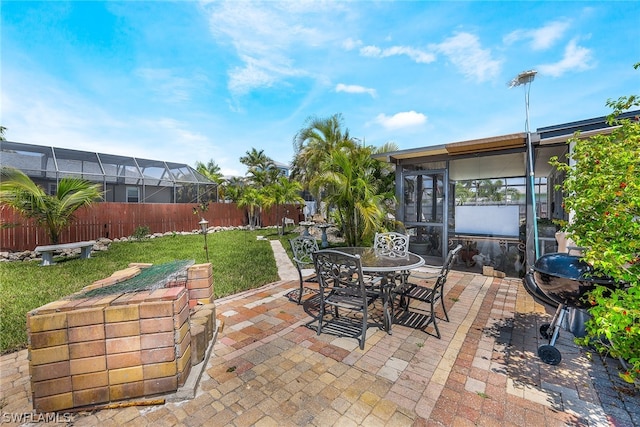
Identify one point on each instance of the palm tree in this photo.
(211, 171)
(352, 189)
(252, 199)
(255, 158)
(261, 169)
(313, 145)
(283, 190)
(234, 188)
(55, 212)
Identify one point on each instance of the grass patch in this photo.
(239, 260)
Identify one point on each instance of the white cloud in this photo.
(267, 35)
(541, 38)
(341, 87)
(576, 58)
(401, 120)
(350, 44)
(466, 53)
(416, 55)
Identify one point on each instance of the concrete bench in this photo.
(48, 250)
(289, 221)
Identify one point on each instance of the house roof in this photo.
(546, 135)
(494, 143)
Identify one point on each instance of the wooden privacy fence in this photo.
(115, 220)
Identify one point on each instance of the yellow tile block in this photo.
(180, 333)
(86, 333)
(127, 273)
(158, 370)
(88, 365)
(125, 375)
(121, 313)
(49, 355)
(46, 322)
(122, 329)
(156, 309)
(199, 271)
(91, 380)
(83, 317)
(50, 387)
(126, 390)
(53, 403)
(184, 362)
(48, 339)
(91, 396)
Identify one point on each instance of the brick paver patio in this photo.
(269, 368)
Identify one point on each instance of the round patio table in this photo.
(375, 262)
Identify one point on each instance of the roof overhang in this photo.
(494, 143)
(581, 135)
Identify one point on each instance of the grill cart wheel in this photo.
(549, 354)
(544, 331)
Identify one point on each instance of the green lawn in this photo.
(240, 262)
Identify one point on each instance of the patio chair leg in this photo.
(320, 319)
(434, 320)
(301, 290)
(363, 336)
(446, 315)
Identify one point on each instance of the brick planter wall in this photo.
(97, 350)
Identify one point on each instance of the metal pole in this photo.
(532, 177)
(206, 248)
(204, 227)
(524, 79)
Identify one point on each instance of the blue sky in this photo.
(186, 81)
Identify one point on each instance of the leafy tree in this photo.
(211, 171)
(261, 170)
(261, 173)
(252, 199)
(348, 176)
(2, 131)
(282, 191)
(55, 212)
(234, 188)
(313, 144)
(255, 159)
(603, 194)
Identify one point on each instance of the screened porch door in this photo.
(425, 211)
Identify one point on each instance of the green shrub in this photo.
(141, 232)
(603, 193)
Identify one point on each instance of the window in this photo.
(133, 195)
(53, 188)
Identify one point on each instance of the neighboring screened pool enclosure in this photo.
(124, 179)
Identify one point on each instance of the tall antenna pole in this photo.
(524, 79)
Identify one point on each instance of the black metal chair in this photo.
(391, 244)
(343, 286)
(303, 247)
(417, 287)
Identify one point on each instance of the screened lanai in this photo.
(124, 179)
